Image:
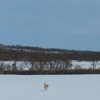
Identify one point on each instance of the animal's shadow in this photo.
(41, 90)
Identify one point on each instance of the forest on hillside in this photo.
(54, 60)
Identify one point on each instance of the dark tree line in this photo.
(11, 54)
(41, 58)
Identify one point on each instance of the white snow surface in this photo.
(61, 87)
(85, 64)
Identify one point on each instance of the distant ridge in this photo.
(40, 49)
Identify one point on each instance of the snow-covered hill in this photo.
(85, 64)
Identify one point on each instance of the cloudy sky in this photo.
(65, 24)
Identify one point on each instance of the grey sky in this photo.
(39, 18)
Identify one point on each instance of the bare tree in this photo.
(77, 66)
(14, 67)
(2, 67)
(94, 64)
(68, 64)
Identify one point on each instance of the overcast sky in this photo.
(65, 24)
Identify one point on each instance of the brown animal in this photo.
(46, 86)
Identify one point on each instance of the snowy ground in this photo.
(85, 64)
(62, 87)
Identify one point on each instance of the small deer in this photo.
(46, 86)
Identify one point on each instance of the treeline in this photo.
(21, 53)
(46, 61)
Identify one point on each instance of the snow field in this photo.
(62, 87)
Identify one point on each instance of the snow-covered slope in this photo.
(85, 64)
